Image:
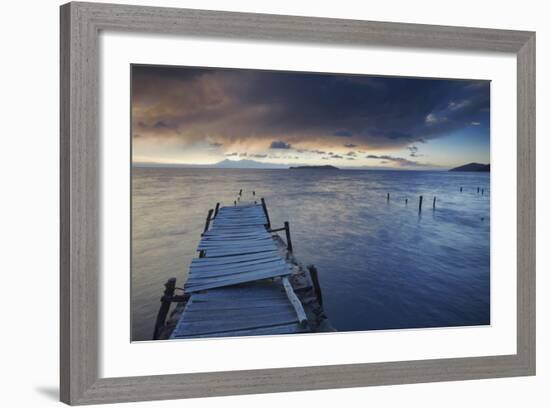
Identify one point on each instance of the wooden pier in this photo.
(240, 285)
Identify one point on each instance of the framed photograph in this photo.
(260, 203)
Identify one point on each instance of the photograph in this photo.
(271, 202)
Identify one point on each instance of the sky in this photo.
(191, 115)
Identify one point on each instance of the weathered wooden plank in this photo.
(244, 292)
(247, 277)
(214, 307)
(259, 331)
(234, 243)
(215, 253)
(233, 259)
(251, 317)
(296, 304)
(224, 236)
(259, 263)
(236, 248)
(227, 272)
(241, 324)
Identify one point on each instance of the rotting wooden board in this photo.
(233, 259)
(237, 246)
(258, 263)
(234, 243)
(218, 272)
(193, 285)
(215, 253)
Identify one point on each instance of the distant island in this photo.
(473, 167)
(324, 167)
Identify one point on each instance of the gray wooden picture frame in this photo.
(80, 192)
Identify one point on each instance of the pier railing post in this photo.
(166, 300)
(208, 219)
(315, 280)
(288, 240)
(216, 210)
(266, 213)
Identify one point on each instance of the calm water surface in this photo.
(381, 264)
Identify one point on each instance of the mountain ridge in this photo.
(477, 167)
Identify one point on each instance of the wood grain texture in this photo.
(79, 196)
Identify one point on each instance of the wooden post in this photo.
(478, 190)
(315, 280)
(434, 203)
(388, 197)
(166, 300)
(253, 193)
(482, 190)
(235, 203)
(266, 213)
(420, 204)
(240, 192)
(461, 189)
(216, 210)
(208, 218)
(288, 240)
(406, 201)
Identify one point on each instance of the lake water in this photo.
(381, 264)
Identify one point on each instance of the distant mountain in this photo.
(247, 164)
(473, 167)
(224, 164)
(325, 167)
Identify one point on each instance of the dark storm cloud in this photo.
(413, 151)
(279, 144)
(282, 109)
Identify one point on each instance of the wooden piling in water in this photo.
(208, 219)
(420, 204)
(482, 190)
(406, 201)
(315, 280)
(240, 192)
(166, 300)
(388, 197)
(266, 213)
(478, 190)
(216, 210)
(461, 189)
(288, 240)
(434, 203)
